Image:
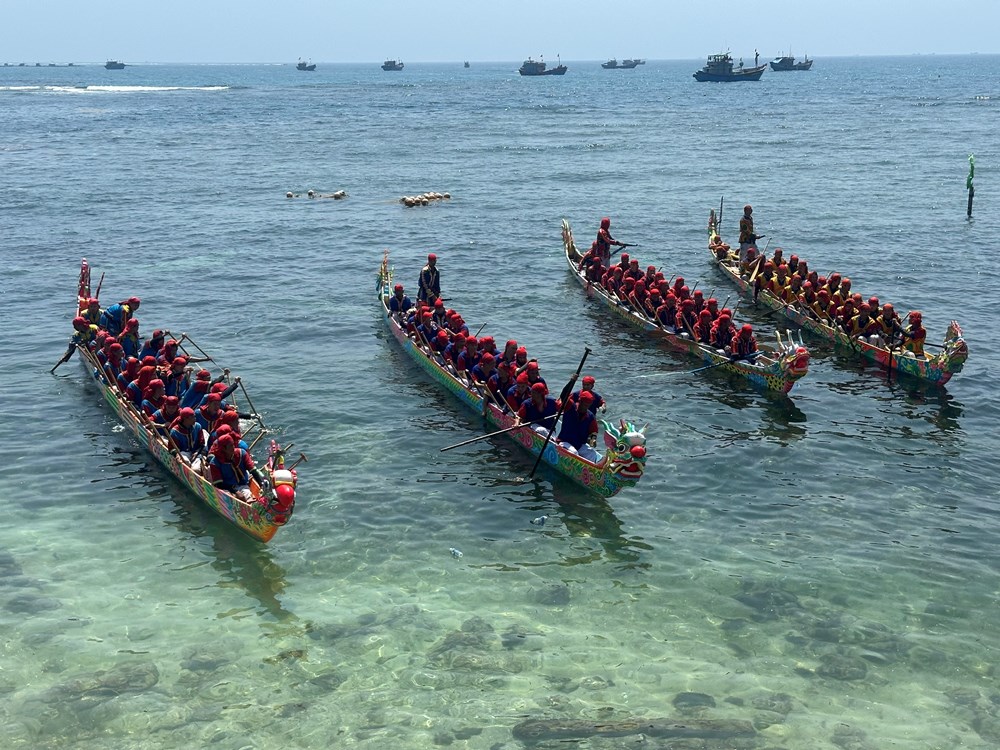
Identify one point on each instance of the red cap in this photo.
(539, 388)
(132, 323)
(605, 222)
(442, 335)
(213, 398)
(864, 307)
(219, 387)
(171, 400)
(512, 342)
(116, 347)
(226, 441)
(747, 328)
(187, 411)
(134, 300)
(93, 301)
(398, 288)
(431, 256)
(182, 361)
(651, 268)
(203, 375)
(586, 397)
(439, 303)
(588, 379)
(532, 367)
(521, 350)
(471, 341)
(156, 383)
(522, 379)
(487, 359)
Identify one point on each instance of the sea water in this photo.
(821, 566)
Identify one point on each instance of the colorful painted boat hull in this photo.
(624, 464)
(252, 518)
(937, 369)
(789, 366)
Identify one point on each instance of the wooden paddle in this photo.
(498, 432)
(563, 397)
(66, 356)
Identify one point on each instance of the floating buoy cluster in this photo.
(423, 199)
(339, 195)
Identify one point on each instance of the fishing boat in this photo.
(621, 466)
(720, 69)
(392, 65)
(114, 65)
(303, 65)
(787, 62)
(270, 507)
(611, 64)
(937, 369)
(632, 63)
(773, 369)
(466, 64)
(538, 68)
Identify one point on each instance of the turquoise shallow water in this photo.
(821, 566)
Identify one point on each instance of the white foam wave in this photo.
(111, 89)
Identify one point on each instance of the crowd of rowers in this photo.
(154, 377)
(674, 307)
(506, 378)
(829, 300)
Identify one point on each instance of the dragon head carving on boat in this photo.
(954, 351)
(626, 443)
(794, 361)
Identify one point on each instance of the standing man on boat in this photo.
(430, 281)
(747, 237)
(605, 241)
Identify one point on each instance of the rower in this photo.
(723, 331)
(232, 468)
(163, 417)
(863, 327)
(588, 387)
(743, 344)
(500, 382)
(579, 428)
(518, 392)
(703, 328)
(189, 437)
(483, 370)
(92, 314)
(666, 314)
(687, 319)
(399, 303)
(129, 338)
(114, 318)
(914, 334)
(152, 397)
(539, 409)
(152, 345)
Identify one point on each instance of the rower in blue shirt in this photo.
(399, 303)
(579, 427)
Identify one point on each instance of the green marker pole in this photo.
(968, 184)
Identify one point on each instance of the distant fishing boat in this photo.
(467, 63)
(392, 65)
(632, 63)
(720, 68)
(538, 68)
(303, 65)
(613, 64)
(787, 62)
(114, 65)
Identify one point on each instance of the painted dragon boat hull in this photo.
(937, 369)
(622, 467)
(780, 374)
(252, 517)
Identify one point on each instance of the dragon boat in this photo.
(260, 517)
(936, 369)
(621, 466)
(774, 369)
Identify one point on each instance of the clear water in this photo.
(822, 565)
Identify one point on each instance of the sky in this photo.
(481, 30)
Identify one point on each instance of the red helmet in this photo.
(605, 223)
